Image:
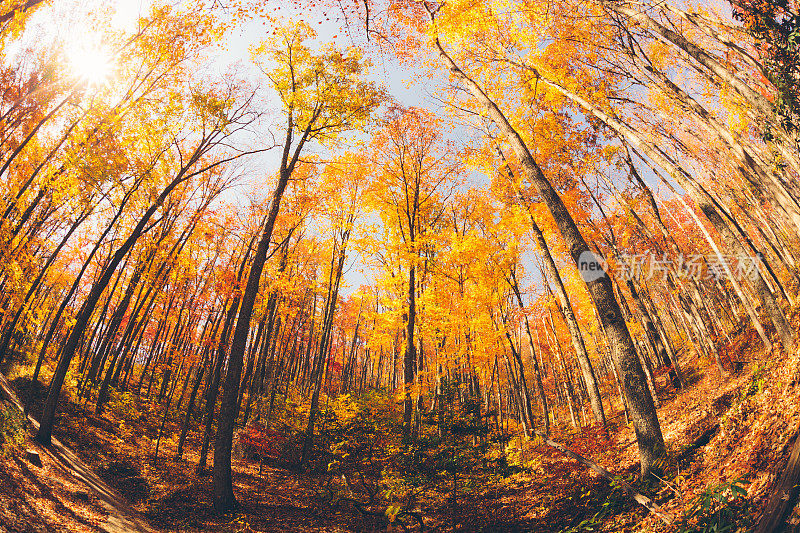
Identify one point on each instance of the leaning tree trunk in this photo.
(224, 498)
(75, 284)
(575, 334)
(82, 321)
(643, 413)
(707, 206)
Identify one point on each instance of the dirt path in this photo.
(121, 517)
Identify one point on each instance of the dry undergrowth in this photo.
(44, 499)
(721, 428)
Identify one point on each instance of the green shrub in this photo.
(717, 509)
(12, 428)
(124, 406)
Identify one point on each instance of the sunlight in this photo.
(92, 65)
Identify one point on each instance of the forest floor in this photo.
(720, 429)
(52, 489)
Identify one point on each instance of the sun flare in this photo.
(92, 65)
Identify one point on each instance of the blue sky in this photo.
(401, 81)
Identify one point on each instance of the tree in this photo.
(16, 9)
(775, 25)
(416, 175)
(218, 117)
(645, 419)
(341, 197)
(323, 96)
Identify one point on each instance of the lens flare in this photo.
(92, 65)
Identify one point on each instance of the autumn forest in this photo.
(399, 265)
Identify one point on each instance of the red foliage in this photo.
(258, 440)
(334, 366)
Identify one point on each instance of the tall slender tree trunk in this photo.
(224, 498)
(318, 374)
(410, 354)
(190, 408)
(575, 334)
(537, 374)
(47, 421)
(643, 413)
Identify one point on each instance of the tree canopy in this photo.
(229, 235)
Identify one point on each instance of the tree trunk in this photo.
(572, 325)
(536, 371)
(706, 204)
(643, 413)
(224, 499)
(410, 354)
